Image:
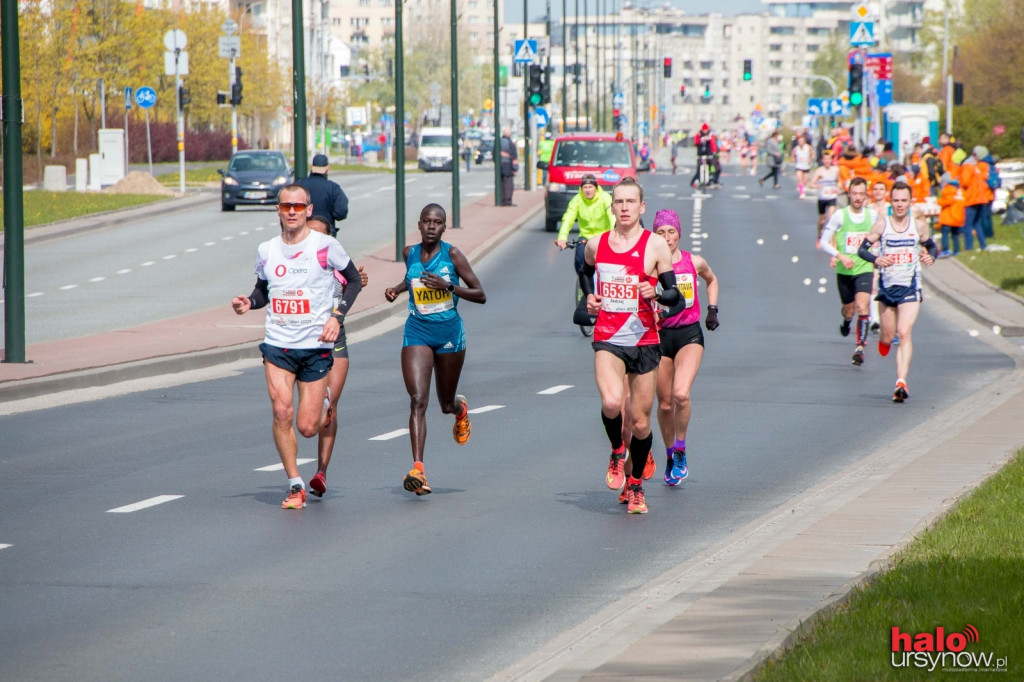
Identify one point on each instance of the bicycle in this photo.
(703, 171)
(580, 309)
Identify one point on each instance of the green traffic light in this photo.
(535, 99)
(746, 76)
(856, 99)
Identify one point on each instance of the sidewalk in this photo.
(218, 336)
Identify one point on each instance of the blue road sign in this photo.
(525, 51)
(862, 33)
(127, 98)
(145, 97)
(543, 118)
(618, 99)
(827, 106)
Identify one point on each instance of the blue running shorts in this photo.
(441, 336)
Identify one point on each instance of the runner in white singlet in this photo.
(900, 238)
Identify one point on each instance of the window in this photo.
(775, 47)
(359, 22)
(387, 21)
(817, 31)
(725, 84)
(473, 4)
(707, 65)
(775, 64)
(474, 19)
(688, 64)
(364, 3)
(774, 80)
(336, 21)
(782, 30)
(813, 48)
(592, 153)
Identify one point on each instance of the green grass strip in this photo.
(968, 568)
(47, 207)
(1005, 269)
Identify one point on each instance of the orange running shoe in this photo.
(296, 498)
(616, 477)
(650, 467)
(901, 393)
(416, 482)
(637, 501)
(624, 495)
(462, 429)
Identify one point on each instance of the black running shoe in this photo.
(844, 328)
(901, 393)
(858, 356)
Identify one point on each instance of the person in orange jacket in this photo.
(951, 217)
(974, 183)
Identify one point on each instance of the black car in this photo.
(485, 151)
(254, 177)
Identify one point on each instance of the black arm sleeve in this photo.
(587, 278)
(929, 244)
(669, 292)
(865, 251)
(260, 295)
(352, 287)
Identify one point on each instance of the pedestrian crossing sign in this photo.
(525, 51)
(862, 33)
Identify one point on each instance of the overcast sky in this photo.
(536, 8)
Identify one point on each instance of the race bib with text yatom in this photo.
(429, 301)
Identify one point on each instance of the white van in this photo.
(435, 150)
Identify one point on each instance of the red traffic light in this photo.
(615, 112)
(682, 91)
(667, 67)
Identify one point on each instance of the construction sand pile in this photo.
(139, 182)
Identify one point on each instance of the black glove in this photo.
(711, 321)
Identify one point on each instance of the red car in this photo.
(608, 156)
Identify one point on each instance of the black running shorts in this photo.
(823, 205)
(674, 338)
(851, 285)
(637, 359)
(307, 364)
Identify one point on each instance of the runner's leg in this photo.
(687, 364)
(906, 315)
(325, 444)
(280, 386)
(447, 370)
(417, 365)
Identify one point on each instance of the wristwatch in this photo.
(450, 288)
(339, 317)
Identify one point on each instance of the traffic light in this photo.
(545, 92)
(667, 67)
(222, 98)
(682, 90)
(535, 88)
(707, 92)
(236, 87)
(747, 70)
(958, 94)
(616, 119)
(184, 97)
(856, 85)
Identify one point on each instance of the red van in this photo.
(608, 156)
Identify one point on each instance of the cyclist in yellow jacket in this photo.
(592, 210)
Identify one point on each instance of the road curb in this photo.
(204, 359)
(98, 221)
(965, 305)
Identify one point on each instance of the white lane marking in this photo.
(170, 256)
(695, 249)
(475, 194)
(760, 242)
(807, 281)
(697, 241)
(227, 238)
(555, 389)
(97, 279)
(698, 203)
(243, 233)
(5, 546)
(259, 229)
(973, 332)
(34, 294)
(771, 197)
(280, 467)
(209, 243)
(485, 408)
(740, 196)
(785, 237)
(822, 280)
(795, 259)
(151, 502)
(821, 290)
(391, 434)
(997, 330)
(124, 271)
(146, 264)
(382, 189)
(741, 187)
(68, 286)
(191, 250)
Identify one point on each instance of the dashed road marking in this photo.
(227, 238)
(147, 264)
(170, 256)
(5, 546)
(280, 467)
(485, 408)
(66, 287)
(191, 250)
(144, 504)
(391, 434)
(555, 389)
(124, 271)
(34, 294)
(97, 279)
(209, 243)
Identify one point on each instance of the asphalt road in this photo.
(520, 540)
(185, 262)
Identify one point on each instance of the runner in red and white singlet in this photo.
(628, 262)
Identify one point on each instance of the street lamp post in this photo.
(456, 213)
(400, 135)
